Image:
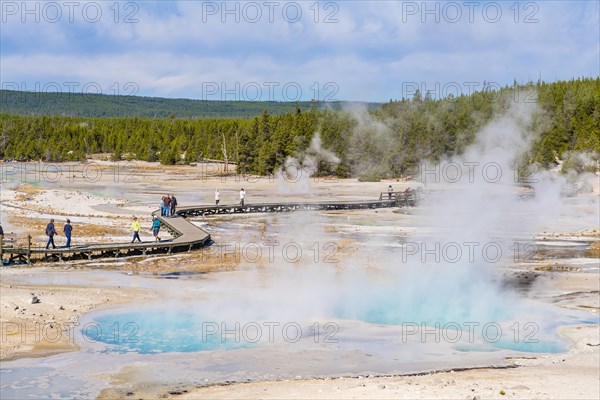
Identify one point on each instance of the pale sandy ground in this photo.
(106, 214)
(45, 328)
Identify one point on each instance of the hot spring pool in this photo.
(161, 330)
(156, 332)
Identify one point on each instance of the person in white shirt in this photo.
(242, 197)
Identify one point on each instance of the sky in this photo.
(294, 50)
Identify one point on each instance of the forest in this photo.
(370, 142)
(73, 104)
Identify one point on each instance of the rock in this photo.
(35, 300)
(520, 387)
(61, 308)
(381, 387)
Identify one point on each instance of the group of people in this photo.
(242, 196)
(408, 190)
(51, 232)
(136, 228)
(168, 206)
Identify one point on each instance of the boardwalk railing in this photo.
(187, 236)
(401, 199)
(194, 211)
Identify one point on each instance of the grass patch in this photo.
(556, 268)
(594, 250)
(85, 233)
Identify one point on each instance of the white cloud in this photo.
(368, 53)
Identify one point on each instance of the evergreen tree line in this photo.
(371, 144)
(72, 104)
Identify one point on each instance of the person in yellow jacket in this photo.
(136, 227)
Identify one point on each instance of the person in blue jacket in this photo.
(50, 231)
(68, 228)
(156, 228)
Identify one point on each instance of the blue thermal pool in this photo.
(158, 332)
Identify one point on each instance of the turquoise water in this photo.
(470, 325)
(158, 332)
(166, 331)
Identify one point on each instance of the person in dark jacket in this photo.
(68, 228)
(1, 230)
(168, 206)
(173, 205)
(50, 231)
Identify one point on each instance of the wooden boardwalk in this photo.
(187, 236)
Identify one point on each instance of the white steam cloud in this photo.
(293, 177)
(450, 272)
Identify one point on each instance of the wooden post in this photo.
(28, 249)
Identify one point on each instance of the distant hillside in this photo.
(98, 105)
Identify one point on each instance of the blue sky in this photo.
(284, 50)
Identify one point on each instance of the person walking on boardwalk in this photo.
(242, 197)
(217, 197)
(173, 205)
(50, 231)
(390, 191)
(67, 229)
(162, 206)
(135, 228)
(167, 206)
(156, 228)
